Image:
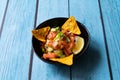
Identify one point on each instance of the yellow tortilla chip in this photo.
(71, 25)
(66, 60)
(41, 33)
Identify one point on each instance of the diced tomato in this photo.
(49, 55)
(55, 45)
(71, 45)
(49, 43)
(51, 35)
(67, 51)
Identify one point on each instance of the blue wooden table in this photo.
(18, 60)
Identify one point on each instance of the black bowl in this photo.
(59, 22)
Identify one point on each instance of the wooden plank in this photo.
(41, 70)
(2, 10)
(93, 64)
(15, 42)
(111, 21)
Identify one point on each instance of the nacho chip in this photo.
(71, 25)
(66, 60)
(41, 33)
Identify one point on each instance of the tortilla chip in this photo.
(71, 25)
(66, 60)
(41, 33)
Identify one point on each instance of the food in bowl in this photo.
(60, 44)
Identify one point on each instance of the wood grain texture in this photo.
(2, 10)
(93, 64)
(15, 42)
(111, 19)
(41, 70)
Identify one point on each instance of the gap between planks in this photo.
(32, 51)
(69, 16)
(2, 24)
(106, 45)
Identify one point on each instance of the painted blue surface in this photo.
(15, 41)
(111, 18)
(93, 64)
